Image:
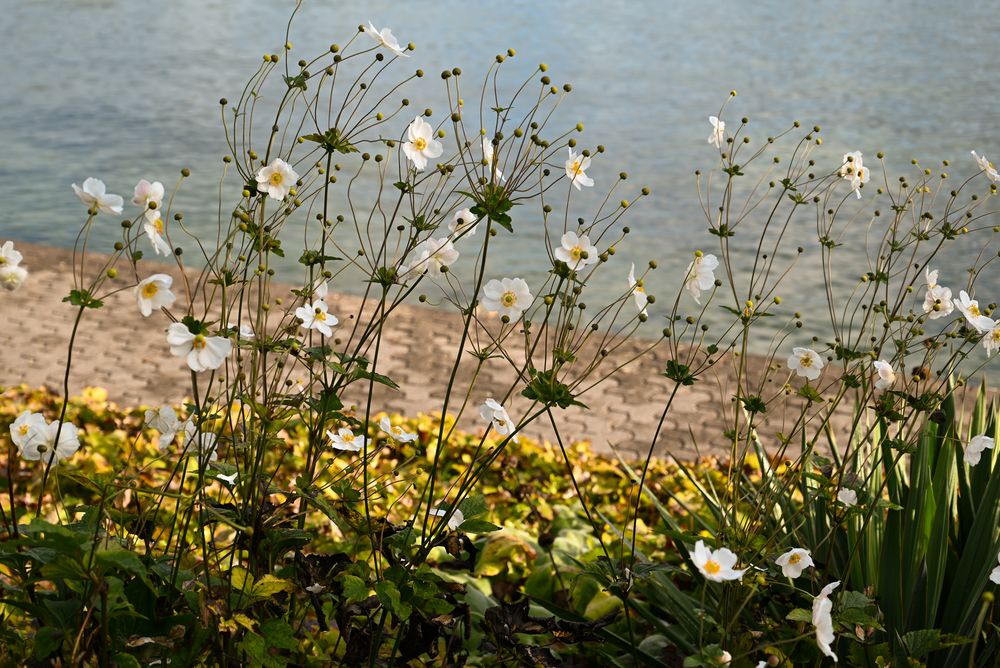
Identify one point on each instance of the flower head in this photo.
(94, 196)
(200, 351)
(848, 497)
(396, 433)
(576, 167)
(986, 166)
(38, 440)
(937, 299)
(163, 420)
(822, 619)
(718, 136)
(385, 38)
(638, 291)
(146, 193)
(970, 309)
(12, 276)
(974, 450)
(9, 256)
(489, 155)
(27, 427)
(456, 519)
(346, 439)
(716, 565)
(432, 253)
(154, 293)
(886, 375)
(317, 316)
(576, 251)
(202, 443)
(805, 362)
(508, 297)
(156, 231)
(421, 144)
(276, 179)
(463, 220)
(992, 339)
(794, 562)
(700, 275)
(496, 415)
(854, 170)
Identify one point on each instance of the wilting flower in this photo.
(396, 433)
(204, 442)
(9, 256)
(848, 497)
(995, 573)
(970, 309)
(276, 179)
(201, 352)
(432, 252)
(385, 38)
(576, 251)
(456, 519)
(27, 427)
(154, 293)
(700, 274)
(317, 316)
(490, 156)
(886, 375)
(716, 565)
(822, 619)
(805, 362)
(718, 136)
(94, 196)
(854, 170)
(508, 297)
(12, 276)
(974, 450)
(937, 300)
(638, 291)
(794, 562)
(576, 167)
(345, 439)
(464, 220)
(493, 412)
(146, 192)
(421, 143)
(986, 166)
(154, 229)
(315, 588)
(163, 420)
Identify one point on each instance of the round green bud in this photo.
(185, 172)
(119, 246)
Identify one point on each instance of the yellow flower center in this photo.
(576, 168)
(712, 567)
(23, 430)
(974, 309)
(320, 316)
(149, 290)
(199, 342)
(508, 299)
(995, 335)
(795, 558)
(276, 178)
(576, 253)
(861, 173)
(159, 225)
(349, 438)
(639, 287)
(3, 260)
(806, 361)
(420, 143)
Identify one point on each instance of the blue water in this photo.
(124, 90)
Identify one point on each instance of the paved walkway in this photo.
(128, 355)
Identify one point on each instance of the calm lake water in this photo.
(124, 90)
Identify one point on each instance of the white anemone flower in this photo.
(995, 573)
(432, 253)
(986, 166)
(700, 275)
(974, 450)
(201, 443)
(970, 309)
(638, 291)
(725, 658)
(43, 445)
(163, 420)
(937, 300)
(576, 251)
(396, 433)
(456, 519)
(421, 144)
(229, 479)
(146, 193)
(26, 428)
(346, 439)
(886, 375)
(154, 293)
(156, 231)
(201, 352)
(464, 220)
(276, 179)
(317, 316)
(496, 415)
(12, 276)
(718, 136)
(991, 342)
(94, 196)
(385, 38)
(794, 562)
(716, 565)
(9, 256)
(822, 619)
(508, 297)
(854, 170)
(576, 167)
(805, 362)
(489, 154)
(848, 497)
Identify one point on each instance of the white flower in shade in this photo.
(94, 196)
(156, 230)
(163, 420)
(317, 316)
(201, 443)
(576, 167)
(489, 155)
(396, 433)
(154, 293)
(508, 297)
(805, 362)
(385, 38)
(245, 333)
(12, 276)
(638, 291)
(276, 179)
(886, 375)
(716, 565)
(421, 144)
(974, 450)
(725, 658)
(854, 170)
(494, 413)
(970, 309)
(794, 562)
(228, 479)
(576, 251)
(432, 254)
(937, 300)
(346, 439)
(700, 275)
(42, 444)
(822, 619)
(464, 220)
(991, 341)
(9, 256)
(456, 519)
(995, 573)
(146, 193)
(718, 136)
(986, 166)
(848, 497)
(201, 352)
(27, 427)
(315, 588)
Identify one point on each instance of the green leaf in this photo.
(83, 299)
(390, 597)
(478, 526)
(355, 589)
(799, 615)
(268, 586)
(47, 641)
